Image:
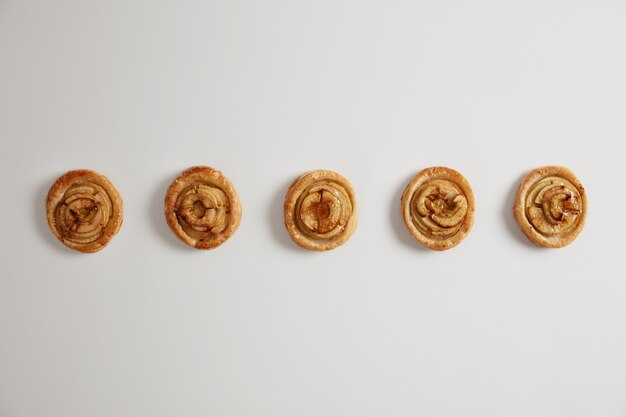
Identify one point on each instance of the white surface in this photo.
(140, 90)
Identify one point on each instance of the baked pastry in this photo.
(320, 210)
(551, 206)
(84, 210)
(202, 207)
(438, 207)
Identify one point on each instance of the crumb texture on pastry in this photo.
(551, 206)
(84, 210)
(202, 207)
(438, 207)
(320, 210)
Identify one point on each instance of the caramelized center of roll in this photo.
(323, 210)
(553, 206)
(438, 208)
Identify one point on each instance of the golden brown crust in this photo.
(84, 210)
(438, 207)
(551, 206)
(202, 207)
(320, 210)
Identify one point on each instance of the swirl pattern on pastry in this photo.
(320, 210)
(438, 207)
(551, 206)
(202, 207)
(84, 210)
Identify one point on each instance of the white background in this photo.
(376, 90)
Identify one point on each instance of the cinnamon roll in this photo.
(84, 210)
(320, 210)
(202, 207)
(551, 206)
(438, 208)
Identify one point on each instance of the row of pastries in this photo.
(202, 208)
